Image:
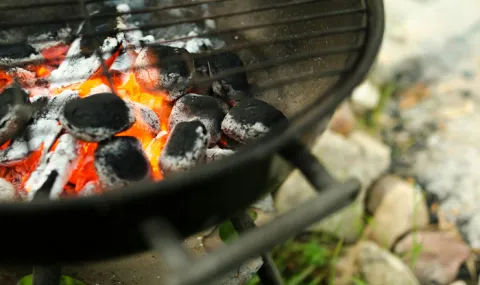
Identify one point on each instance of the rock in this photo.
(459, 282)
(436, 256)
(380, 267)
(397, 208)
(365, 97)
(343, 120)
(358, 156)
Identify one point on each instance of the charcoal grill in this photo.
(302, 56)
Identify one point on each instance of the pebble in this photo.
(359, 156)
(397, 208)
(365, 97)
(436, 256)
(379, 267)
(343, 120)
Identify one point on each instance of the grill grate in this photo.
(275, 67)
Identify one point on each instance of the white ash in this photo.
(89, 189)
(101, 88)
(8, 193)
(49, 40)
(217, 153)
(123, 63)
(194, 45)
(15, 152)
(77, 68)
(43, 131)
(189, 158)
(148, 118)
(240, 132)
(63, 160)
(55, 104)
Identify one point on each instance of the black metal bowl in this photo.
(111, 225)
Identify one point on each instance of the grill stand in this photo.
(252, 241)
(332, 197)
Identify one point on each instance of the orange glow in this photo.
(125, 86)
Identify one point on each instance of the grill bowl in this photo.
(306, 78)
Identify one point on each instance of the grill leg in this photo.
(268, 273)
(46, 275)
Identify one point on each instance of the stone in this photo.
(397, 208)
(459, 282)
(343, 120)
(379, 267)
(359, 156)
(436, 256)
(365, 97)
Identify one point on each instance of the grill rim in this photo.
(263, 149)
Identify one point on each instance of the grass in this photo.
(64, 280)
(307, 260)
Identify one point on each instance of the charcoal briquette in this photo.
(10, 118)
(208, 110)
(147, 118)
(251, 119)
(97, 117)
(231, 88)
(154, 72)
(185, 147)
(215, 153)
(121, 161)
(103, 26)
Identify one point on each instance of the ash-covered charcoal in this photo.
(103, 24)
(216, 153)
(77, 68)
(97, 117)
(121, 161)
(62, 161)
(16, 151)
(8, 193)
(55, 104)
(251, 119)
(11, 52)
(146, 117)
(185, 147)
(11, 119)
(233, 88)
(206, 109)
(154, 74)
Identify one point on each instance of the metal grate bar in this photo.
(42, 5)
(167, 24)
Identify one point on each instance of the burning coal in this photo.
(66, 122)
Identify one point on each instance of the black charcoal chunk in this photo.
(121, 161)
(185, 147)
(216, 153)
(11, 119)
(208, 110)
(251, 119)
(97, 117)
(232, 88)
(16, 51)
(164, 68)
